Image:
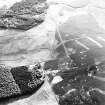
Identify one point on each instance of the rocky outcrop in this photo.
(24, 15)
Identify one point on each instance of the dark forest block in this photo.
(18, 81)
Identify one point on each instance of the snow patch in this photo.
(56, 79)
